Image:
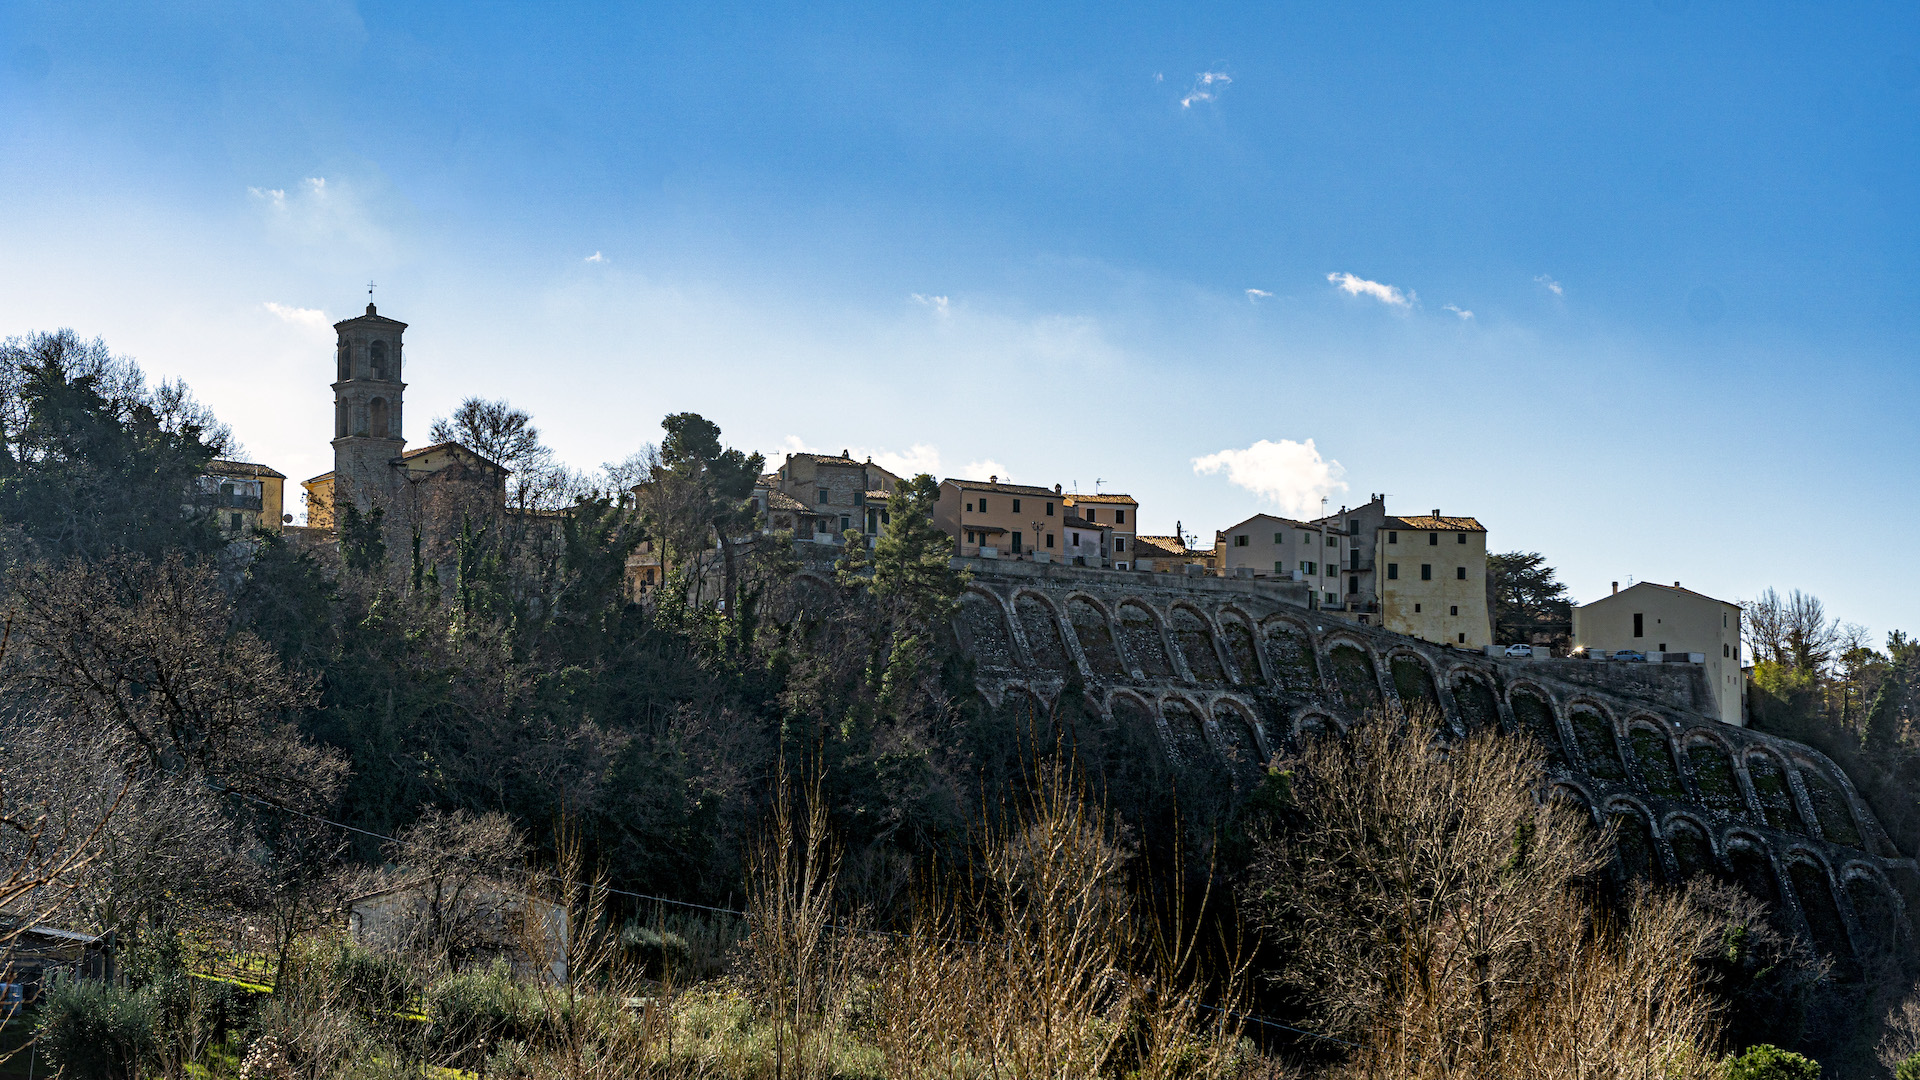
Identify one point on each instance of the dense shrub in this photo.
(474, 1010)
(1766, 1062)
(94, 1031)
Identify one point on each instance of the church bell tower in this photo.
(367, 431)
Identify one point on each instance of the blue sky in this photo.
(1073, 244)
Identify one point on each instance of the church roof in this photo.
(372, 316)
(462, 447)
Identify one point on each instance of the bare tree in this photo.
(503, 434)
(457, 876)
(1794, 632)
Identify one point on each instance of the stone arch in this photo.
(1636, 853)
(1691, 843)
(1831, 807)
(1040, 625)
(1354, 673)
(1311, 722)
(377, 416)
(1474, 699)
(981, 629)
(1771, 787)
(1413, 679)
(1026, 710)
(1877, 911)
(377, 361)
(342, 419)
(1133, 712)
(1752, 864)
(1238, 738)
(1142, 637)
(344, 361)
(1572, 794)
(1533, 715)
(1710, 766)
(1813, 887)
(1185, 726)
(1088, 622)
(1236, 633)
(1292, 658)
(1651, 749)
(1594, 739)
(1193, 638)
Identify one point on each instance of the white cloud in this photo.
(1254, 296)
(274, 197)
(1462, 312)
(309, 319)
(985, 467)
(937, 303)
(1551, 285)
(1206, 87)
(596, 257)
(1290, 475)
(322, 213)
(1359, 286)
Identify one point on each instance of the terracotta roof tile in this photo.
(1003, 489)
(1430, 523)
(223, 467)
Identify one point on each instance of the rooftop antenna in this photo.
(1096, 485)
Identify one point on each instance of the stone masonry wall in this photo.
(1236, 671)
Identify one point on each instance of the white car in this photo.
(1520, 650)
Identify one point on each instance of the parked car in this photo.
(1628, 654)
(1520, 650)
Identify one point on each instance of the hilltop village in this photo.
(1421, 575)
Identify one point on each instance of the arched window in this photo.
(378, 354)
(346, 362)
(377, 418)
(340, 420)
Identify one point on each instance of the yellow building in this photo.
(1002, 521)
(433, 482)
(246, 498)
(1431, 577)
(1650, 618)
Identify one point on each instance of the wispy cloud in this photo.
(1290, 475)
(937, 303)
(1254, 296)
(1359, 286)
(309, 319)
(596, 257)
(1551, 285)
(1206, 87)
(319, 211)
(988, 467)
(1462, 312)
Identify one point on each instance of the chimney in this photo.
(1616, 586)
(993, 479)
(1676, 584)
(845, 454)
(1436, 511)
(1056, 489)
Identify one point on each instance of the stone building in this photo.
(245, 497)
(830, 494)
(1118, 516)
(431, 487)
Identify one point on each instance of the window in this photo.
(1393, 571)
(845, 523)
(1331, 542)
(1330, 569)
(1663, 646)
(1462, 537)
(1433, 539)
(1016, 509)
(1393, 537)
(983, 506)
(1279, 538)
(377, 418)
(970, 536)
(1639, 625)
(346, 362)
(1049, 539)
(1353, 586)
(1049, 509)
(377, 357)
(236, 522)
(1240, 541)
(860, 499)
(1015, 543)
(1353, 528)
(1726, 651)
(1119, 543)
(1119, 517)
(1353, 559)
(1463, 639)
(1308, 568)
(1459, 573)
(1090, 512)
(885, 518)
(1279, 568)
(823, 496)
(1416, 609)
(1073, 539)
(1453, 609)
(1426, 571)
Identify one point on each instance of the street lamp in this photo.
(1038, 528)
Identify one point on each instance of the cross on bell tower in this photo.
(367, 390)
